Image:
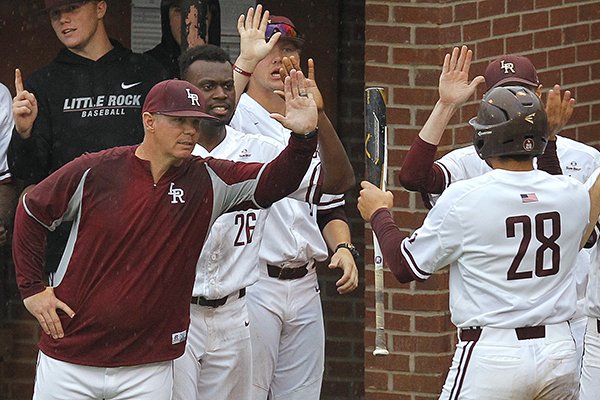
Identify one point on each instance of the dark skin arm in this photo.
(339, 175)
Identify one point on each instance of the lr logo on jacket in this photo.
(176, 194)
(193, 97)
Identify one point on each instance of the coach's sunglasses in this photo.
(285, 29)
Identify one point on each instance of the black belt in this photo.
(528, 332)
(203, 301)
(598, 325)
(287, 273)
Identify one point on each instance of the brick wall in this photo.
(405, 44)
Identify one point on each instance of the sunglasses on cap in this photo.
(285, 29)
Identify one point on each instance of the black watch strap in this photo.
(309, 135)
(350, 247)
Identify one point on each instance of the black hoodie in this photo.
(167, 51)
(83, 106)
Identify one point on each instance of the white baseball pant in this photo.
(590, 370)
(60, 380)
(288, 338)
(217, 363)
(499, 366)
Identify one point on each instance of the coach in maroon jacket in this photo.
(140, 216)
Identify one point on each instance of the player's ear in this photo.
(149, 121)
(101, 9)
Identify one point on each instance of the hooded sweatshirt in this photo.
(167, 51)
(84, 106)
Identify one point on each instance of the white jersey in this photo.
(511, 239)
(576, 160)
(592, 300)
(6, 127)
(229, 258)
(293, 237)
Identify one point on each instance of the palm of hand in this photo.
(454, 87)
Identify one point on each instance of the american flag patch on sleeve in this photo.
(528, 197)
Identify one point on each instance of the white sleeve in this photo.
(6, 127)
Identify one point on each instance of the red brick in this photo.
(410, 96)
(398, 115)
(433, 301)
(393, 362)
(416, 15)
(519, 44)
(418, 56)
(589, 133)
(589, 12)
(419, 383)
(437, 281)
(465, 11)
(476, 30)
(377, 380)
(490, 8)
(434, 323)
(515, 6)
(563, 16)
(595, 31)
(588, 93)
(536, 20)
(387, 34)
(575, 74)
(405, 136)
(506, 25)
(377, 13)
(386, 75)
(376, 54)
(427, 77)
(436, 364)
(489, 48)
(549, 38)
(576, 34)
(588, 52)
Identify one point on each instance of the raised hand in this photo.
(300, 109)
(559, 112)
(25, 108)
(43, 307)
(454, 85)
(253, 44)
(289, 63)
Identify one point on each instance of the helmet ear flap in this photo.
(511, 121)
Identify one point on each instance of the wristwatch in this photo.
(350, 247)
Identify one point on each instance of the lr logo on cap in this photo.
(176, 193)
(193, 97)
(507, 67)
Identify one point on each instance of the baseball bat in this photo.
(376, 171)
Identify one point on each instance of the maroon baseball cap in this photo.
(512, 69)
(50, 4)
(176, 98)
(278, 23)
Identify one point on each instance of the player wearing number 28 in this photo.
(511, 281)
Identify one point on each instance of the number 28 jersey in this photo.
(511, 239)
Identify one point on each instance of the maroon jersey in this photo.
(130, 262)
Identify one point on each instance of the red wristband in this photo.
(241, 71)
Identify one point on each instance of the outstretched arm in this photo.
(253, 46)
(338, 172)
(454, 91)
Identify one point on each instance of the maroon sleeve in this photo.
(29, 249)
(390, 239)
(326, 216)
(284, 174)
(419, 173)
(549, 160)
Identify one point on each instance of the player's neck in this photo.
(211, 135)
(159, 162)
(98, 45)
(510, 164)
